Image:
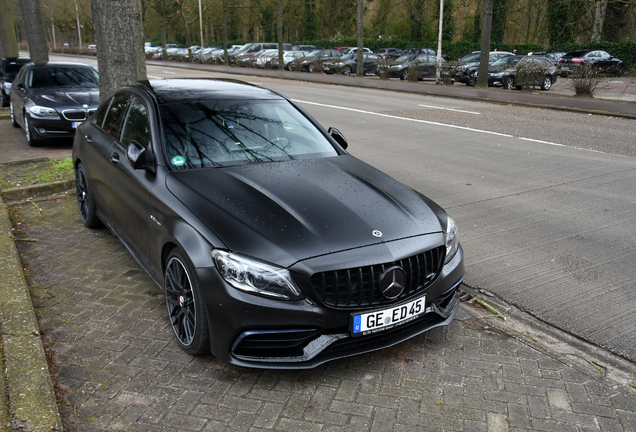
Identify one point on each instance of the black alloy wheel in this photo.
(27, 131)
(14, 123)
(509, 83)
(547, 83)
(185, 305)
(85, 199)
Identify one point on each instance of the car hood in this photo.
(284, 212)
(62, 97)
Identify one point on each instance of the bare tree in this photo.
(279, 34)
(120, 41)
(165, 9)
(482, 80)
(8, 41)
(38, 50)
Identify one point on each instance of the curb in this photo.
(588, 359)
(32, 402)
(40, 189)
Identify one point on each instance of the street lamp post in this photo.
(201, 28)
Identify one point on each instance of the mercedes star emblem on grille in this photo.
(392, 282)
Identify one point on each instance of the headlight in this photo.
(256, 277)
(452, 242)
(496, 75)
(40, 111)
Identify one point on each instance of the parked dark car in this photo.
(313, 61)
(50, 99)
(425, 65)
(552, 56)
(389, 53)
(9, 68)
(348, 64)
(274, 247)
(463, 72)
(598, 60)
(519, 71)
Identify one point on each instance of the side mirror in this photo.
(340, 139)
(138, 157)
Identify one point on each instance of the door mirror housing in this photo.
(139, 158)
(339, 137)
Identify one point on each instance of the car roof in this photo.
(59, 64)
(197, 89)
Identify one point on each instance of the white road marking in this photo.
(444, 125)
(153, 77)
(168, 72)
(406, 118)
(448, 109)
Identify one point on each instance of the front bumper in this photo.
(253, 331)
(43, 128)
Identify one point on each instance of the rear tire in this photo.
(14, 123)
(546, 84)
(185, 305)
(3, 99)
(85, 199)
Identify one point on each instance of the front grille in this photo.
(74, 114)
(359, 287)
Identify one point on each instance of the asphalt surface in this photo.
(123, 371)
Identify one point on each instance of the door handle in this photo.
(114, 158)
(88, 138)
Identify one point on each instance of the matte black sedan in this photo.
(275, 248)
(9, 68)
(50, 99)
(598, 60)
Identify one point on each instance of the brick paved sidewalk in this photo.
(122, 370)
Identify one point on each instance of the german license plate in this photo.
(380, 320)
(74, 125)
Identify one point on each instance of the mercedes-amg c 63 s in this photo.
(274, 247)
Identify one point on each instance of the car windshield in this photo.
(63, 77)
(473, 57)
(404, 58)
(231, 132)
(348, 56)
(506, 61)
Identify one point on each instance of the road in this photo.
(545, 200)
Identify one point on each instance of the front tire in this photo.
(404, 76)
(508, 83)
(85, 199)
(185, 305)
(347, 71)
(28, 132)
(472, 80)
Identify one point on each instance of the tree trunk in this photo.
(226, 61)
(482, 80)
(120, 40)
(8, 41)
(279, 35)
(360, 10)
(600, 7)
(38, 50)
